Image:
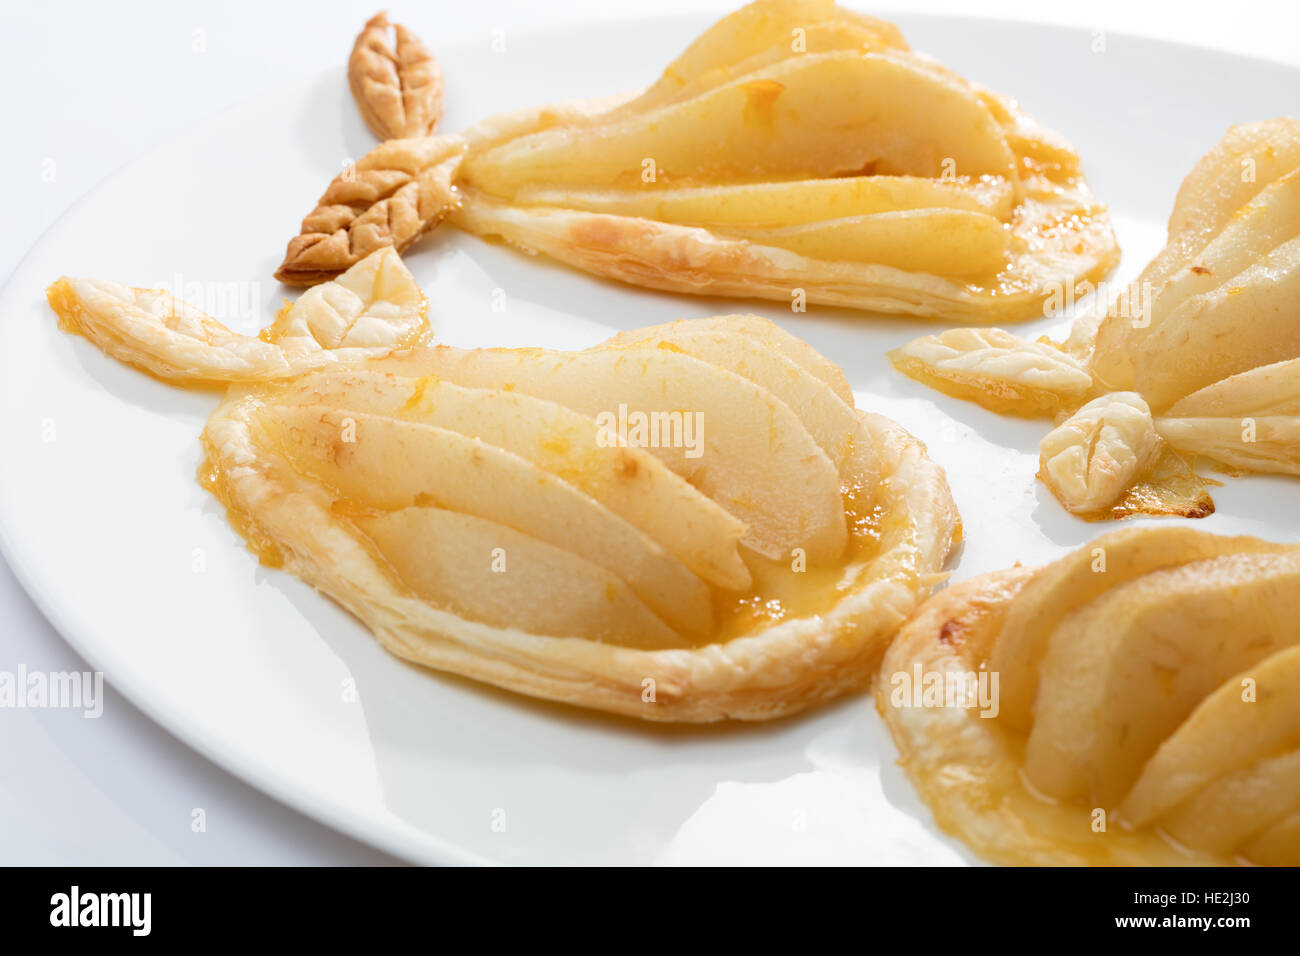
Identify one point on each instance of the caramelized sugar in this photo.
(212, 479)
(781, 593)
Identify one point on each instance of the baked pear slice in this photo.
(1253, 319)
(1249, 719)
(769, 333)
(761, 29)
(954, 242)
(1173, 671)
(792, 202)
(1268, 390)
(444, 558)
(1238, 805)
(1278, 845)
(411, 489)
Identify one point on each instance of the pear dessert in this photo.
(796, 151)
(1132, 704)
(1198, 357)
(685, 523)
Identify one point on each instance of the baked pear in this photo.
(1141, 711)
(795, 151)
(1195, 358)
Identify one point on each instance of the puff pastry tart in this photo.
(796, 151)
(1132, 704)
(685, 523)
(1199, 356)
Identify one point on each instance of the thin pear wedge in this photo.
(1252, 319)
(1259, 227)
(790, 37)
(1124, 671)
(891, 116)
(629, 481)
(374, 462)
(1267, 390)
(785, 203)
(767, 332)
(735, 441)
(947, 242)
(446, 558)
(1248, 158)
(1235, 807)
(753, 31)
(1253, 716)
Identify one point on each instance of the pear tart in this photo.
(796, 151)
(1143, 707)
(685, 523)
(1197, 357)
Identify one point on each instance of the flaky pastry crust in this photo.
(370, 310)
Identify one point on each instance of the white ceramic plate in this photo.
(102, 520)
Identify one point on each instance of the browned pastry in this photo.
(398, 90)
(391, 197)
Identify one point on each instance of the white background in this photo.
(85, 88)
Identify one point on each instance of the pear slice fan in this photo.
(1138, 704)
(1199, 356)
(796, 151)
(686, 523)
